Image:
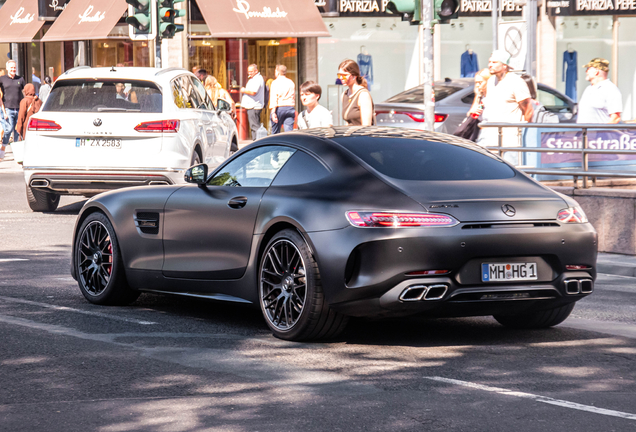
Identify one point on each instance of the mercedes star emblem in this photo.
(508, 210)
(97, 122)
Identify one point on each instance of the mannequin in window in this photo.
(469, 65)
(569, 72)
(365, 61)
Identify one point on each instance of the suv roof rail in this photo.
(76, 68)
(170, 69)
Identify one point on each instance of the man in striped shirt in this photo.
(282, 101)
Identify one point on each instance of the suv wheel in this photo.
(41, 201)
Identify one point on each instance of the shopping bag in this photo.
(468, 128)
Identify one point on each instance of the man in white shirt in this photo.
(282, 101)
(253, 98)
(315, 115)
(507, 101)
(602, 101)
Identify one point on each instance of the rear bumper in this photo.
(78, 181)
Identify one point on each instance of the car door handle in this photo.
(237, 202)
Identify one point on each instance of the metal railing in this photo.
(584, 170)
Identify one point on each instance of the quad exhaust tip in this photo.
(415, 293)
(578, 286)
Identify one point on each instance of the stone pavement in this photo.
(615, 264)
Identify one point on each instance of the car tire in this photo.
(536, 320)
(290, 291)
(196, 158)
(98, 263)
(41, 201)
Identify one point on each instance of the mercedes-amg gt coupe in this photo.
(317, 226)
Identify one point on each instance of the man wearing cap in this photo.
(507, 101)
(601, 101)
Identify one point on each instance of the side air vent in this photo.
(147, 222)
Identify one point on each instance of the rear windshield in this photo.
(412, 159)
(416, 94)
(97, 95)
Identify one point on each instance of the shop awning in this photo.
(19, 21)
(262, 18)
(85, 20)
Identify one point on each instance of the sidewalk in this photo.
(614, 264)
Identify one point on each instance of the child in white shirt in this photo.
(315, 115)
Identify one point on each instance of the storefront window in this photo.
(113, 52)
(627, 65)
(53, 59)
(387, 47)
(464, 34)
(589, 37)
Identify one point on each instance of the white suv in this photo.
(108, 128)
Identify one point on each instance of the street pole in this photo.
(531, 29)
(495, 24)
(158, 38)
(427, 64)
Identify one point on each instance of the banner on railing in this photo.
(597, 140)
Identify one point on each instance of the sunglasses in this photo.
(344, 77)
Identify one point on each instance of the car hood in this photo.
(486, 200)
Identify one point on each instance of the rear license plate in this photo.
(508, 272)
(114, 143)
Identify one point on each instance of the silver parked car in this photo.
(453, 99)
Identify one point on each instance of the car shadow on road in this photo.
(72, 208)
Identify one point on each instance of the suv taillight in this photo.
(158, 126)
(43, 125)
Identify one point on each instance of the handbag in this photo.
(468, 129)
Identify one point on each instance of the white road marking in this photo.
(616, 276)
(537, 398)
(68, 309)
(12, 259)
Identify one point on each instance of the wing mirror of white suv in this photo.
(197, 174)
(223, 105)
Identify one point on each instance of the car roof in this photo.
(114, 72)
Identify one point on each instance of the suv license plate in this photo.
(508, 272)
(114, 143)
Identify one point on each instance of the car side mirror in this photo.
(223, 105)
(197, 174)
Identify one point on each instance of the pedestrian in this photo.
(602, 101)
(357, 104)
(45, 89)
(315, 115)
(28, 106)
(282, 101)
(37, 83)
(539, 113)
(253, 99)
(215, 91)
(11, 86)
(469, 127)
(202, 74)
(507, 101)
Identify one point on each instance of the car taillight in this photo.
(440, 117)
(572, 215)
(43, 125)
(428, 272)
(158, 126)
(399, 220)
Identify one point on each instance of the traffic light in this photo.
(446, 10)
(167, 15)
(142, 18)
(411, 10)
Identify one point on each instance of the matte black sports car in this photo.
(315, 227)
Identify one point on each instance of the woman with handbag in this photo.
(469, 127)
(29, 105)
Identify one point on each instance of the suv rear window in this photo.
(95, 95)
(411, 159)
(416, 94)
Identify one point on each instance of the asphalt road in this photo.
(174, 364)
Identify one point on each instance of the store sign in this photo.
(89, 16)
(600, 140)
(590, 7)
(21, 18)
(48, 10)
(476, 8)
(243, 7)
(354, 8)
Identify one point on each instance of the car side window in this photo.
(300, 169)
(185, 95)
(202, 93)
(255, 168)
(469, 99)
(551, 101)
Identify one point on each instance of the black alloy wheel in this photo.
(100, 272)
(290, 291)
